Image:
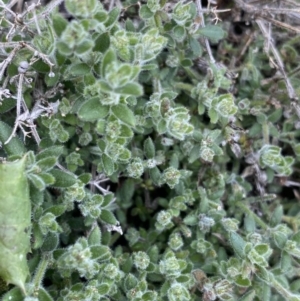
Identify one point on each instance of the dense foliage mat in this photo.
(150, 150)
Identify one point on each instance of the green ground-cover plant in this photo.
(161, 151)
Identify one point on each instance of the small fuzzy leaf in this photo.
(14, 294)
(145, 12)
(179, 33)
(47, 178)
(123, 113)
(59, 24)
(263, 274)
(249, 296)
(15, 215)
(213, 115)
(108, 58)
(15, 146)
(108, 198)
(237, 243)
(195, 47)
(148, 67)
(63, 179)
(112, 17)
(100, 252)
(155, 175)
(54, 151)
(7, 104)
(103, 289)
(84, 47)
(46, 163)
(212, 32)
(149, 148)
(262, 249)
(85, 177)
(95, 236)
(79, 69)
(37, 181)
(50, 243)
(56, 210)
(242, 282)
(92, 110)
(108, 165)
(133, 89)
(102, 43)
(285, 262)
(108, 217)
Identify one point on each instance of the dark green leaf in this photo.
(59, 23)
(102, 43)
(7, 104)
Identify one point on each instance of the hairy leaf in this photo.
(15, 212)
